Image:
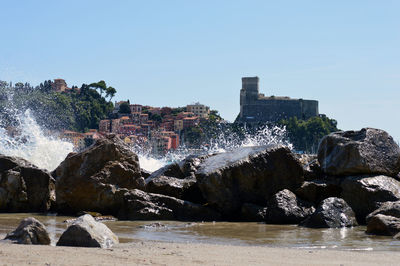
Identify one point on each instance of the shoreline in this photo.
(171, 253)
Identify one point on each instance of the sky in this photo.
(345, 54)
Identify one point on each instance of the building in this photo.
(128, 129)
(115, 124)
(182, 115)
(256, 108)
(190, 121)
(105, 126)
(135, 108)
(178, 125)
(76, 138)
(92, 135)
(199, 110)
(59, 85)
(163, 141)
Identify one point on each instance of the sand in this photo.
(163, 253)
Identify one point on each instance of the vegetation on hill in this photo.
(306, 134)
(207, 130)
(76, 110)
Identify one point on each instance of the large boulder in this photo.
(185, 189)
(90, 179)
(247, 175)
(365, 194)
(286, 208)
(383, 225)
(180, 169)
(319, 189)
(368, 151)
(390, 208)
(331, 213)
(140, 205)
(24, 187)
(29, 231)
(86, 232)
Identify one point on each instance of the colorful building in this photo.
(199, 110)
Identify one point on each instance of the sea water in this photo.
(232, 233)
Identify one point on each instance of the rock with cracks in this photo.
(286, 208)
(86, 232)
(91, 180)
(185, 189)
(365, 194)
(247, 175)
(389, 208)
(139, 205)
(383, 225)
(331, 213)
(368, 151)
(29, 231)
(24, 187)
(319, 189)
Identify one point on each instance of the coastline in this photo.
(170, 253)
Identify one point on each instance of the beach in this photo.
(169, 253)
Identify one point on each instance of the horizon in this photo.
(345, 55)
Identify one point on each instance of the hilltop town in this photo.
(160, 129)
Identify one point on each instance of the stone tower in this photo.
(249, 91)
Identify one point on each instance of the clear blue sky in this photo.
(346, 54)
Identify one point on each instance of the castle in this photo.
(256, 108)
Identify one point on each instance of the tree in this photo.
(306, 134)
(124, 108)
(102, 87)
(110, 92)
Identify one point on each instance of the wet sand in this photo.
(164, 253)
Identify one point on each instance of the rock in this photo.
(182, 169)
(247, 175)
(86, 232)
(24, 187)
(319, 189)
(139, 205)
(144, 173)
(90, 180)
(368, 151)
(390, 208)
(185, 189)
(311, 166)
(286, 208)
(365, 194)
(331, 213)
(252, 213)
(383, 225)
(30, 231)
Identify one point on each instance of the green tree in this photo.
(306, 134)
(124, 108)
(77, 111)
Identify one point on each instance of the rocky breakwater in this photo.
(24, 187)
(107, 178)
(365, 165)
(248, 175)
(354, 173)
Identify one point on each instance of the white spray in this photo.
(26, 139)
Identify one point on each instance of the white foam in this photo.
(32, 144)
